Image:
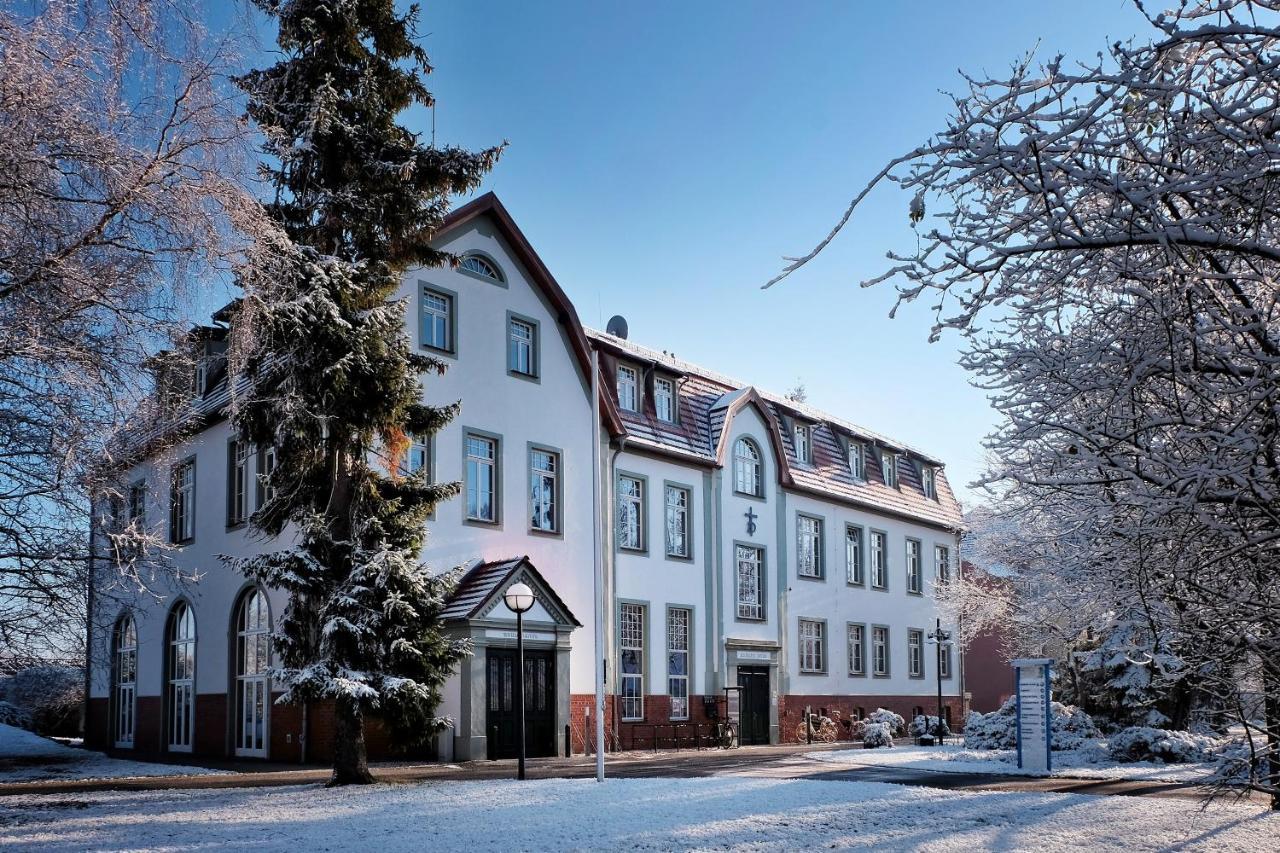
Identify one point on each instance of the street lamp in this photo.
(938, 637)
(519, 599)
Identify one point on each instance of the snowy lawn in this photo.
(27, 757)
(1067, 764)
(648, 814)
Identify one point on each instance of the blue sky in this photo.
(664, 156)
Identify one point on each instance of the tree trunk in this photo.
(1271, 716)
(350, 759)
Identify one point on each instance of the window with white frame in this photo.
(628, 388)
(879, 650)
(437, 320)
(915, 572)
(253, 661)
(522, 346)
(879, 560)
(544, 501)
(630, 513)
(803, 442)
(480, 266)
(915, 653)
(237, 482)
(889, 468)
(482, 478)
(944, 661)
(631, 660)
(182, 666)
(808, 546)
(126, 681)
(855, 573)
(857, 460)
(677, 518)
(746, 468)
(929, 481)
(812, 646)
(266, 467)
(417, 457)
(182, 502)
(679, 621)
(137, 504)
(750, 565)
(942, 563)
(664, 399)
(857, 649)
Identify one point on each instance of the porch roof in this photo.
(487, 580)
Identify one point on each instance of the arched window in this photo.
(746, 468)
(253, 656)
(126, 686)
(182, 676)
(480, 266)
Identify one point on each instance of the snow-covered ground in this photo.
(647, 814)
(26, 757)
(1082, 764)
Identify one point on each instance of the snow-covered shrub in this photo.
(1144, 743)
(896, 724)
(877, 734)
(12, 715)
(923, 725)
(51, 695)
(1072, 728)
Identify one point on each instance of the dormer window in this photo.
(889, 468)
(481, 266)
(857, 460)
(929, 481)
(804, 443)
(664, 399)
(628, 388)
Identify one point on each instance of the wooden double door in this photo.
(754, 727)
(502, 724)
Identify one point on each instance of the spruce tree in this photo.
(336, 385)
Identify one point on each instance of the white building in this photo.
(749, 541)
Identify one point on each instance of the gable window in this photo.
(804, 443)
(879, 557)
(929, 482)
(857, 460)
(808, 546)
(813, 646)
(664, 399)
(630, 513)
(854, 572)
(889, 468)
(478, 265)
(746, 468)
(631, 663)
(482, 478)
(126, 681)
(944, 660)
(237, 482)
(915, 653)
(915, 574)
(182, 503)
(437, 322)
(857, 649)
(879, 650)
(678, 625)
(544, 503)
(750, 562)
(522, 347)
(628, 388)
(677, 519)
(942, 563)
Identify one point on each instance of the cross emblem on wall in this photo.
(751, 521)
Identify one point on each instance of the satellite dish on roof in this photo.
(617, 326)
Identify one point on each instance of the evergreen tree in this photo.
(336, 387)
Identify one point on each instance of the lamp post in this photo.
(938, 637)
(519, 598)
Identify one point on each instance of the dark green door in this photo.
(754, 681)
(502, 724)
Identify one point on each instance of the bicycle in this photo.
(726, 736)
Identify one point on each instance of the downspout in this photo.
(597, 563)
(611, 586)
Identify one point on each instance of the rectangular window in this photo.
(664, 400)
(544, 500)
(522, 347)
(942, 563)
(182, 502)
(812, 646)
(915, 573)
(237, 482)
(857, 460)
(679, 621)
(138, 504)
(929, 482)
(750, 582)
(889, 468)
(266, 467)
(880, 650)
(482, 478)
(808, 546)
(630, 513)
(854, 570)
(803, 443)
(437, 320)
(857, 649)
(944, 660)
(417, 457)
(677, 500)
(628, 392)
(631, 663)
(879, 561)
(915, 653)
